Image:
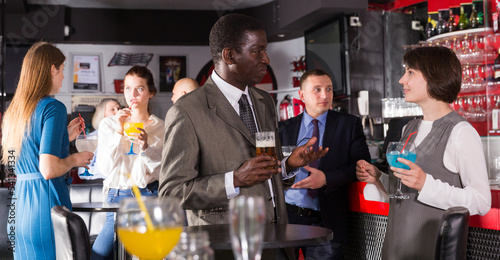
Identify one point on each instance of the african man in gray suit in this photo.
(209, 152)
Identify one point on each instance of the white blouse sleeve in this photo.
(464, 154)
(110, 152)
(151, 157)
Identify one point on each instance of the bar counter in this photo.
(368, 220)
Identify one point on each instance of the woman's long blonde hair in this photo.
(35, 82)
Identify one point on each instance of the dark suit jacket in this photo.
(344, 136)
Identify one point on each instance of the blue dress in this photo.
(36, 196)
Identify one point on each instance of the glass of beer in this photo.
(265, 143)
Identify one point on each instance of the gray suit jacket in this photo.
(204, 139)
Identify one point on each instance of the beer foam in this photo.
(265, 143)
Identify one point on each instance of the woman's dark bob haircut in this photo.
(441, 69)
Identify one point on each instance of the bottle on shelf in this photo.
(496, 68)
(462, 21)
(451, 22)
(474, 18)
(441, 26)
(495, 20)
(429, 28)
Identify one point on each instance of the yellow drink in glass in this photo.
(130, 127)
(149, 244)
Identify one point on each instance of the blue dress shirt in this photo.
(299, 197)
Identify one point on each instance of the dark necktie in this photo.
(246, 114)
(314, 193)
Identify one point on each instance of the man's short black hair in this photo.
(230, 32)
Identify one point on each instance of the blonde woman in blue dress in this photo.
(36, 135)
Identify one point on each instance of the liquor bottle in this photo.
(474, 18)
(451, 22)
(462, 21)
(441, 26)
(429, 28)
(496, 68)
(495, 18)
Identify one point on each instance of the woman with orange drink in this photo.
(132, 129)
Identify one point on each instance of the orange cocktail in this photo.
(131, 127)
(148, 227)
(149, 244)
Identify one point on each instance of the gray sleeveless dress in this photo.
(412, 226)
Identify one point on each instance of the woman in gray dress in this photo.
(450, 169)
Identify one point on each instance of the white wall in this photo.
(281, 54)
(196, 58)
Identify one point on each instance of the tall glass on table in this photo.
(397, 150)
(247, 217)
(86, 143)
(149, 228)
(130, 129)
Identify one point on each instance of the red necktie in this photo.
(312, 192)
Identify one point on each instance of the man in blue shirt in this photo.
(319, 195)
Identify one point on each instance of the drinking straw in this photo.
(142, 206)
(84, 135)
(407, 141)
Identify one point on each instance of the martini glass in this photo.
(397, 150)
(86, 144)
(130, 128)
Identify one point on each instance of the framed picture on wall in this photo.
(172, 68)
(87, 72)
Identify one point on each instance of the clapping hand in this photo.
(316, 180)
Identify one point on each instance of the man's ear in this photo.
(227, 55)
(301, 94)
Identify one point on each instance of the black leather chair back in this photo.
(452, 238)
(71, 235)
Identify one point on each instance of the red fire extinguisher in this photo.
(285, 105)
